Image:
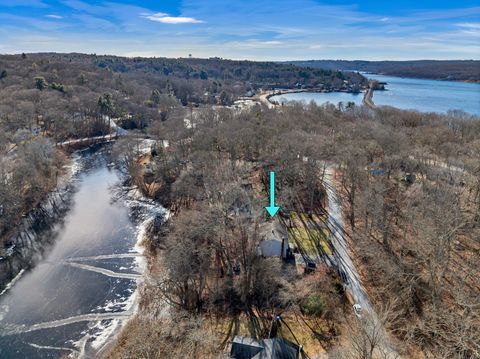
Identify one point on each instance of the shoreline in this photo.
(153, 210)
(264, 97)
(468, 81)
(25, 239)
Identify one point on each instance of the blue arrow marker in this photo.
(272, 209)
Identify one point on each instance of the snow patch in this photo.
(105, 331)
(11, 284)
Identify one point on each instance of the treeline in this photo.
(453, 70)
(411, 196)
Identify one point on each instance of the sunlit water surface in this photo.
(405, 93)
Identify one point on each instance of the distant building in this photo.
(274, 348)
(274, 240)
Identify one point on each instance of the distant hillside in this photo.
(188, 78)
(454, 70)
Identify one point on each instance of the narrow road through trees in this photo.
(372, 324)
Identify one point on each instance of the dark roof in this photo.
(275, 348)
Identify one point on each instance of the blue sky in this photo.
(257, 30)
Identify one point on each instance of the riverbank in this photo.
(438, 70)
(265, 96)
(154, 215)
(22, 244)
(25, 192)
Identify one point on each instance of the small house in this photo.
(273, 240)
(274, 348)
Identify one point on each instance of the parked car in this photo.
(310, 266)
(357, 309)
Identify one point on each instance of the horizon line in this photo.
(230, 59)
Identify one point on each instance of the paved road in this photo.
(345, 263)
(341, 253)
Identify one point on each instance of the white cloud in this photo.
(271, 42)
(470, 25)
(53, 16)
(470, 28)
(166, 19)
(255, 44)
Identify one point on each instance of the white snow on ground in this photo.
(12, 283)
(145, 146)
(73, 167)
(52, 348)
(104, 332)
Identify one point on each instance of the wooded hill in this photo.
(453, 70)
(190, 77)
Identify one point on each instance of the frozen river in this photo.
(84, 286)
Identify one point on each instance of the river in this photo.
(76, 297)
(405, 93)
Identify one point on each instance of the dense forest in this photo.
(411, 195)
(67, 96)
(453, 70)
(408, 184)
